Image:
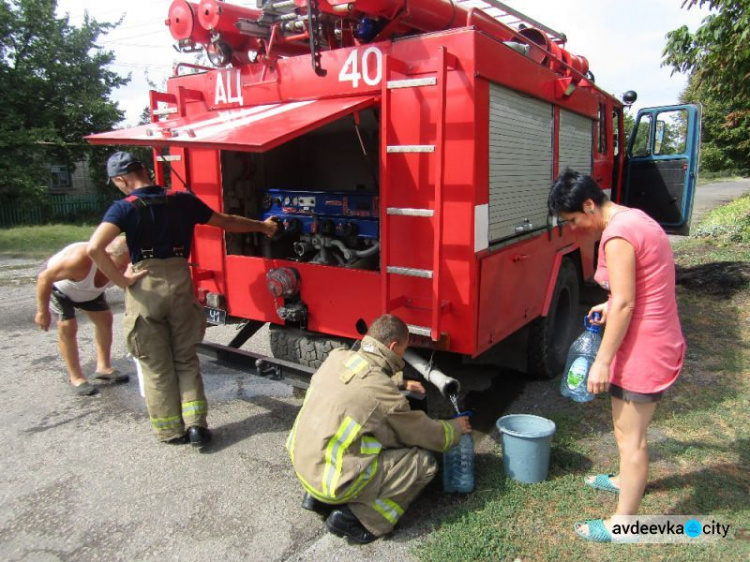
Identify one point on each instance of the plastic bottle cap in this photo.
(595, 328)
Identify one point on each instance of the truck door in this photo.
(662, 165)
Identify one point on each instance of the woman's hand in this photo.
(602, 309)
(598, 380)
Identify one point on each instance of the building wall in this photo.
(75, 180)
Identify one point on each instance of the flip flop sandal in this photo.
(597, 531)
(114, 377)
(85, 389)
(603, 482)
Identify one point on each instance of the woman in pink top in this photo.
(642, 349)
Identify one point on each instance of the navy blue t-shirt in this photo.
(126, 217)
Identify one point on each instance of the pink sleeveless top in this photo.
(651, 355)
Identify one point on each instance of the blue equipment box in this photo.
(324, 212)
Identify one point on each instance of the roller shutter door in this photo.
(520, 160)
(575, 142)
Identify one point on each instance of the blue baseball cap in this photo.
(122, 163)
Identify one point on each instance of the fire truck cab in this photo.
(407, 151)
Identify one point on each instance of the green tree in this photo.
(54, 90)
(717, 57)
(726, 131)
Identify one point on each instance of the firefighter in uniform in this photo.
(356, 446)
(163, 321)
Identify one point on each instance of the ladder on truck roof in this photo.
(391, 87)
(287, 10)
(510, 17)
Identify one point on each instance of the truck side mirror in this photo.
(629, 97)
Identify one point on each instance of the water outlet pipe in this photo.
(448, 386)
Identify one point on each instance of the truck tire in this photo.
(305, 348)
(550, 336)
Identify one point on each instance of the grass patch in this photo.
(728, 224)
(41, 241)
(717, 177)
(699, 440)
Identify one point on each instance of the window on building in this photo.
(60, 178)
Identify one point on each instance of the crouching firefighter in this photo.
(163, 321)
(357, 447)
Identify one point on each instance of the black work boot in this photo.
(311, 504)
(199, 436)
(343, 523)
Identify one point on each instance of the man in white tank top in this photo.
(68, 281)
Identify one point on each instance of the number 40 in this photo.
(350, 71)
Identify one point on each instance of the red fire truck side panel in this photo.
(208, 242)
(478, 293)
(502, 65)
(337, 297)
(412, 177)
(516, 281)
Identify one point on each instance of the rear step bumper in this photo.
(292, 374)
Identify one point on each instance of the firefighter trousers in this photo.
(402, 474)
(163, 325)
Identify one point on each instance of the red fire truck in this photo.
(407, 149)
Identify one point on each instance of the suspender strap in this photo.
(146, 222)
(175, 234)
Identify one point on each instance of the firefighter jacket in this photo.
(352, 411)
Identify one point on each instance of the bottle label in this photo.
(577, 373)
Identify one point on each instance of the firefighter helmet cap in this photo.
(122, 163)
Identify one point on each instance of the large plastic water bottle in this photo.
(458, 466)
(580, 357)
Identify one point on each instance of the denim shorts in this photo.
(66, 308)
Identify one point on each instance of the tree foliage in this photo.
(717, 57)
(726, 130)
(54, 90)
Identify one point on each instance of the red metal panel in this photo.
(413, 177)
(336, 297)
(249, 129)
(203, 167)
(552, 281)
(515, 282)
(502, 65)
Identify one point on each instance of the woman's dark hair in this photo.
(570, 190)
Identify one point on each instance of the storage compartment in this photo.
(323, 188)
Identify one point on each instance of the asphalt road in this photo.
(83, 479)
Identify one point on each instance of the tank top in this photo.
(78, 291)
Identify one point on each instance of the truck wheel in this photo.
(302, 347)
(550, 336)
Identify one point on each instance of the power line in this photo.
(140, 65)
(122, 10)
(133, 36)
